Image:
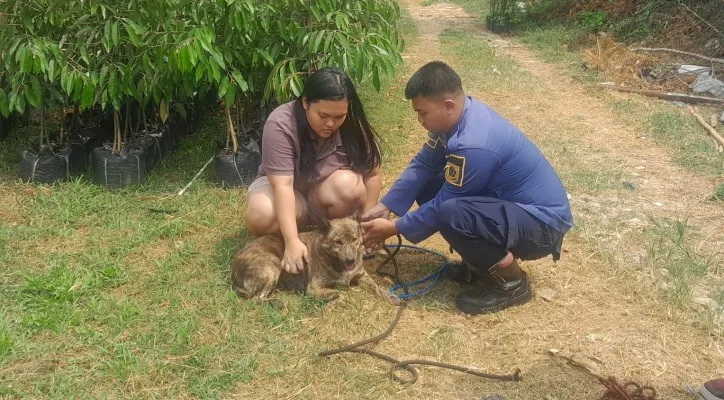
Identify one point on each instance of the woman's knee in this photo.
(342, 188)
(348, 186)
(260, 217)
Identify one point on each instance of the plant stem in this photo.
(127, 122)
(117, 131)
(42, 122)
(138, 119)
(145, 124)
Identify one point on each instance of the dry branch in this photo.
(684, 98)
(710, 59)
(702, 19)
(708, 127)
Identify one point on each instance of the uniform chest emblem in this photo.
(455, 170)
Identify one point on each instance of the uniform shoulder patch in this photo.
(455, 170)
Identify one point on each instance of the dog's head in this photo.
(343, 240)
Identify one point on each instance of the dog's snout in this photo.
(349, 261)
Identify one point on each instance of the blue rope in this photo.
(431, 279)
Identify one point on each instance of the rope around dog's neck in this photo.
(406, 364)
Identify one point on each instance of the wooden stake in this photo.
(685, 98)
(230, 125)
(708, 128)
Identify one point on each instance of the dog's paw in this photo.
(339, 298)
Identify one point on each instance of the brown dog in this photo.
(335, 259)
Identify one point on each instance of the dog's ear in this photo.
(324, 225)
(357, 216)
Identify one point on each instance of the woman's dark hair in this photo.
(358, 137)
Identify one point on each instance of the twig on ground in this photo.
(662, 49)
(685, 98)
(708, 128)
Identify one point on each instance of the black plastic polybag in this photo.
(150, 146)
(126, 168)
(46, 165)
(240, 169)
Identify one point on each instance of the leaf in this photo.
(318, 41)
(223, 86)
(215, 72)
(376, 79)
(132, 35)
(4, 106)
(266, 56)
(107, 34)
(230, 96)
(200, 69)
(88, 97)
(114, 34)
(240, 81)
(381, 50)
(163, 111)
(296, 87)
(180, 109)
(51, 70)
(33, 93)
(103, 75)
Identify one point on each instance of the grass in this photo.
(718, 193)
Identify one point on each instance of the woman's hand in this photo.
(295, 255)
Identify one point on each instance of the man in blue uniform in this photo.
(483, 185)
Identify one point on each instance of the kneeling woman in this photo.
(319, 152)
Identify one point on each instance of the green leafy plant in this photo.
(162, 54)
(593, 20)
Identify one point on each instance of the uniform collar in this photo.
(466, 107)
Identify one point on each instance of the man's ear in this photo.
(449, 105)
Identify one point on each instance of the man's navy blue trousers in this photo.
(483, 229)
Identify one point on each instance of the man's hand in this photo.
(377, 230)
(378, 211)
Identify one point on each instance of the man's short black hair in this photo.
(434, 79)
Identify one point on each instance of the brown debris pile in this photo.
(619, 64)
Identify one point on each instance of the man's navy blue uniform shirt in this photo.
(485, 155)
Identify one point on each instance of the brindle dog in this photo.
(335, 259)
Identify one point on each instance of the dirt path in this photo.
(613, 317)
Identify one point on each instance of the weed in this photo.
(593, 20)
(674, 129)
(670, 248)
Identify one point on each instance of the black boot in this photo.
(508, 287)
(464, 274)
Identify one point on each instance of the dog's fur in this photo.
(335, 259)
